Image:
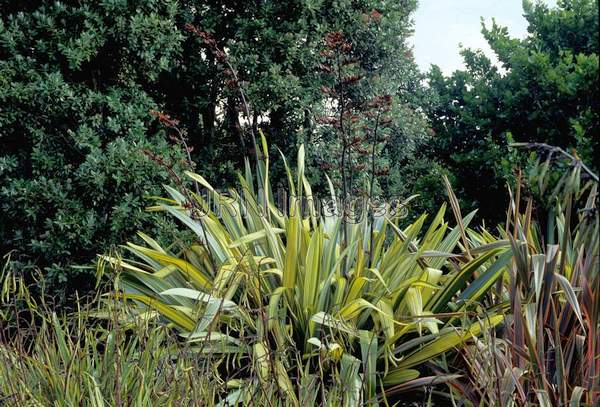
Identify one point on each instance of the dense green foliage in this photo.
(545, 89)
(77, 82)
(282, 291)
(287, 288)
(74, 121)
(276, 49)
(275, 310)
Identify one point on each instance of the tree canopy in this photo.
(543, 89)
(78, 80)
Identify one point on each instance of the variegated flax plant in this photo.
(290, 314)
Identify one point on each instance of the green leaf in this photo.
(398, 376)
(482, 284)
(446, 342)
(174, 315)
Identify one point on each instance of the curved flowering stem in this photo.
(234, 82)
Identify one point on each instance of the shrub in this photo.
(300, 305)
(73, 123)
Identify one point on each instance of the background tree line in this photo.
(78, 80)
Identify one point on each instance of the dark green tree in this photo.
(78, 79)
(74, 120)
(275, 47)
(544, 89)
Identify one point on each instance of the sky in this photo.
(441, 25)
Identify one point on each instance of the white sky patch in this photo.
(441, 25)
